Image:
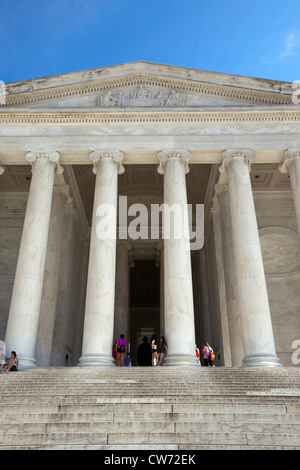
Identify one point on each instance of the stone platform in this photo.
(150, 408)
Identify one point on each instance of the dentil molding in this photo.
(177, 116)
(165, 83)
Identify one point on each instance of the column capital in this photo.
(52, 156)
(229, 155)
(221, 185)
(128, 247)
(164, 155)
(115, 155)
(159, 250)
(290, 156)
(125, 244)
(64, 189)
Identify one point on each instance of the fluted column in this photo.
(51, 277)
(122, 296)
(291, 165)
(179, 308)
(27, 291)
(258, 339)
(100, 295)
(160, 264)
(234, 321)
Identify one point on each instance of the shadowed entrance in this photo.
(144, 303)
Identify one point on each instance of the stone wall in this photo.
(281, 253)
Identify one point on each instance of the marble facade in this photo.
(155, 134)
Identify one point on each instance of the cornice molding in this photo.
(185, 86)
(149, 117)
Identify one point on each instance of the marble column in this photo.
(122, 295)
(291, 165)
(179, 308)
(48, 308)
(24, 311)
(205, 320)
(160, 264)
(258, 338)
(1, 169)
(100, 296)
(234, 321)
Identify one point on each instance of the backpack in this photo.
(211, 356)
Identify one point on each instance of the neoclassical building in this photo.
(138, 135)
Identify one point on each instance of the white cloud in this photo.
(291, 43)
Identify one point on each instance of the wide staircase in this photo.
(157, 408)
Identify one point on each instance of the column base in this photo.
(26, 362)
(174, 360)
(261, 360)
(96, 360)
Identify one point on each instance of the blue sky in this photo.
(258, 38)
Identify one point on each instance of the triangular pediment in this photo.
(146, 85)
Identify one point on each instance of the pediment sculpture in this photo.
(141, 97)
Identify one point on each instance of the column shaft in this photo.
(234, 322)
(100, 296)
(51, 279)
(258, 339)
(27, 291)
(179, 308)
(291, 165)
(122, 297)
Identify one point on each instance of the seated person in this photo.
(12, 365)
(127, 360)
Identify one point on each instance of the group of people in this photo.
(148, 354)
(154, 352)
(159, 350)
(208, 355)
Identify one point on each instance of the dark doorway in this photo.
(144, 303)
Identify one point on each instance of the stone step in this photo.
(146, 416)
(101, 398)
(245, 408)
(117, 389)
(150, 372)
(140, 392)
(146, 438)
(151, 427)
(110, 408)
(162, 374)
(146, 448)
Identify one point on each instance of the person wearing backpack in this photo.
(208, 355)
(121, 350)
